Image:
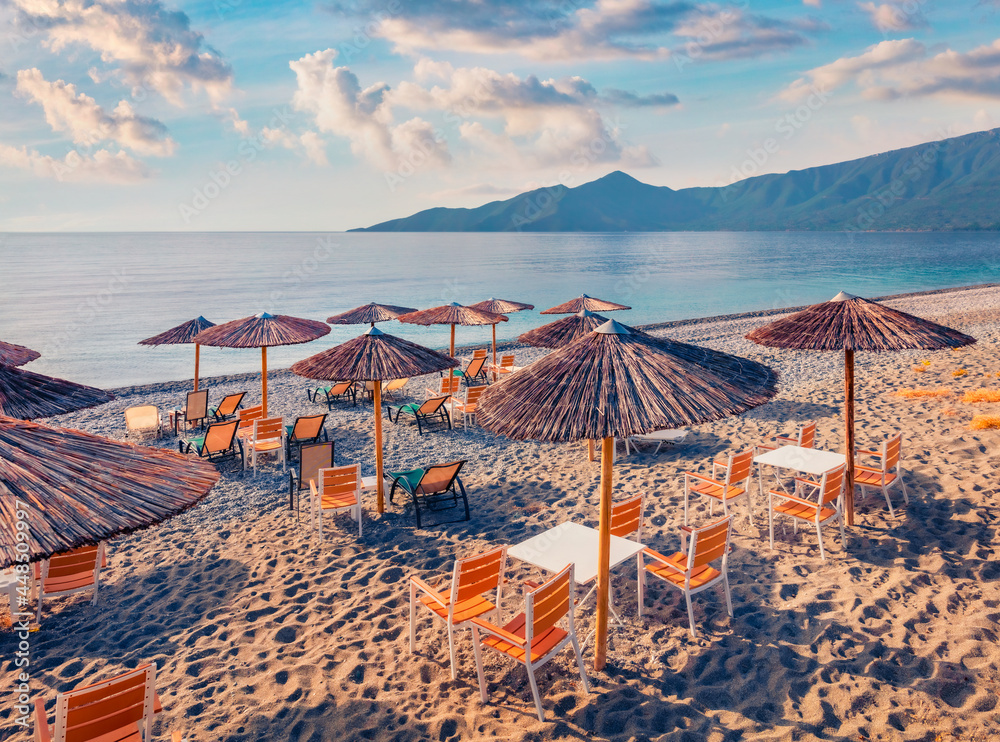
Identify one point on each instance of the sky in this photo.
(237, 115)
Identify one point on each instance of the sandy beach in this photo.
(262, 633)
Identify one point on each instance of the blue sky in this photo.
(163, 115)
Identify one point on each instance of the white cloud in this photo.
(149, 46)
(100, 167)
(339, 106)
(906, 69)
(87, 123)
(894, 16)
(309, 143)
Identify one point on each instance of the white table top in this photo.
(809, 460)
(570, 542)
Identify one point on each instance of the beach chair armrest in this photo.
(41, 723)
(869, 453)
(687, 529)
(804, 480)
(786, 439)
(793, 498)
(647, 552)
(430, 591)
(702, 477)
(498, 632)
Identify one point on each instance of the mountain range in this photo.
(951, 184)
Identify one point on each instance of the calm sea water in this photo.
(85, 300)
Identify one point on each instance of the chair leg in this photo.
(686, 497)
(413, 618)
(770, 520)
(885, 493)
(477, 650)
(902, 485)
(641, 582)
(579, 663)
(843, 535)
(451, 650)
(729, 597)
(534, 692)
(819, 535)
(687, 596)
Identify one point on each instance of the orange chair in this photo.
(691, 572)
(827, 507)
(268, 437)
(247, 417)
(463, 600)
(474, 373)
(732, 485)
(142, 421)
(218, 442)
(194, 412)
(312, 458)
(338, 489)
(120, 709)
(468, 406)
(69, 572)
(805, 437)
(506, 366)
(307, 429)
(883, 477)
(534, 637)
(447, 386)
(228, 406)
(480, 352)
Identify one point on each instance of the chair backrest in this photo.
(394, 384)
(473, 393)
(307, 427)
(480, 352)
(432, 405)
(478, 574)
(807, 435)
(340, 480)
(439, 477)
(892, 451)
(708, 543)
(626, 517)
(230, 403)
(268, 428)
(475, 367)
(197, 405)
(831, 484)
(547, 605)
(70, 563)
(248, 414)
(312, 458)
(142, 417)
(740, 465)
(507, 361)
(219, 436)
(339, 388)
(90, 712)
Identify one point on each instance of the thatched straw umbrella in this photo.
(368, 314)
(77, 488)
(563, 331)
(16, 355)
(585, 302)
(375, 356)
(499, 306)
(183, 335)
(452, 314)
(614, 383)
(26, 395)
(850, 323)
(263, 331)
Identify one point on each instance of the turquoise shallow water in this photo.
(85, 300)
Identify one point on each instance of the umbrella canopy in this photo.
(615, 382)
(375, 356)
(499, 306)
(183, 334)
(78, 488)
(369, 314)
(263, 331)
(452, 314)
(585, 302)
(563, 331)
(26, 395)
(849, 323)
(16, 355)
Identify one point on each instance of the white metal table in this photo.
(568, 543)
(796, 458)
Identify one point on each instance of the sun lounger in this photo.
(435, 488)
(430, 411)
(67, 573)
(142, 421)
(659, 437)
(312, 458)
(219, 442)
(195, 411)
(228, 406)
(339, 392)
(308, 429)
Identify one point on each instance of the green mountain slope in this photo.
(945, 185)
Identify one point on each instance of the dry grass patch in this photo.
(919, 369)
(985, 422)
(921, 393)
(959, 372)
(981, 395)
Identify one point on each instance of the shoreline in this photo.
(181, 384)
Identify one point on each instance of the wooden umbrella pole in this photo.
(590, 449)
(451, 352)
(604, 554)
(377, 400)
(494, 351)
(197, 359)
(263, 378)
(849, 424)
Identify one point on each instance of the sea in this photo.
(85, 300)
